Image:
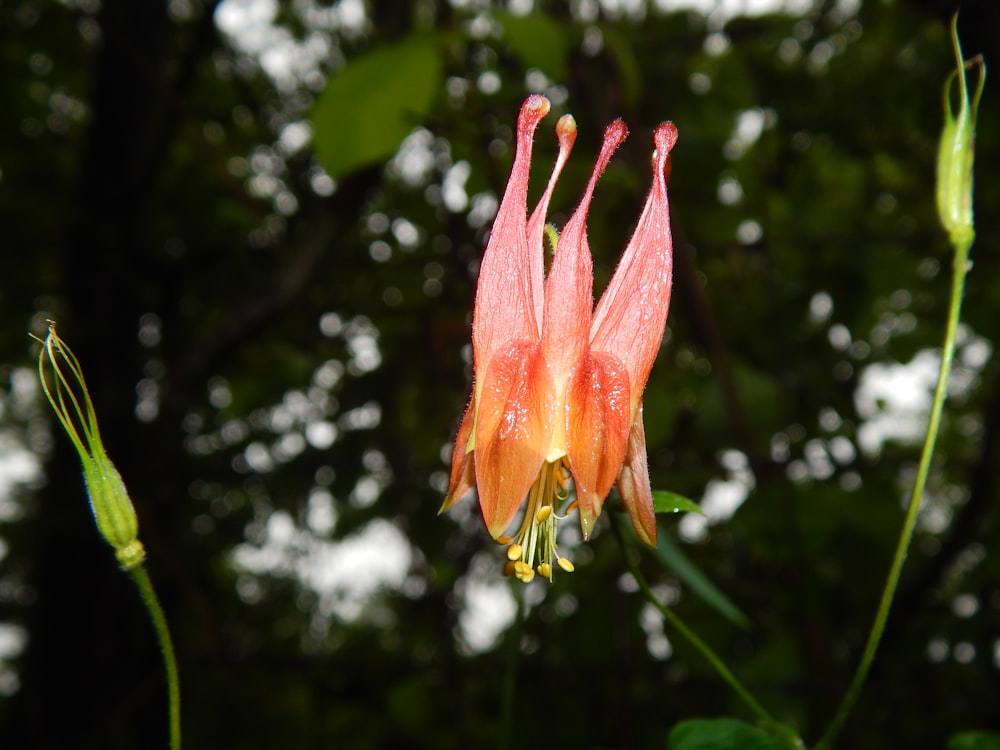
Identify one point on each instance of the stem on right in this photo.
(954, 202)
(912, 513)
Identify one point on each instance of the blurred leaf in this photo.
(364, 113)
(660, 408)
(539, 41)
(674, 560)
(974, 741)
(623, 54)
(760, 396)
(725, 734)
(671, 502)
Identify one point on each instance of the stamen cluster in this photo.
(536, 539)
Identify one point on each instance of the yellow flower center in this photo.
(536, 539)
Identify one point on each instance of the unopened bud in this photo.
(957, 148)
(64, 387)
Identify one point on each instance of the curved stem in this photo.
(703, 648)
(961, 269)
(145, 586)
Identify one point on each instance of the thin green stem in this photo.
(145, 586)
(703, 648)
(961, 268)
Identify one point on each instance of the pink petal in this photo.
(598, 410)
(505, 306)
(569, 288)
(632, 313)
(633, 484)
(463, 464)
(514, 422)
(566, 132)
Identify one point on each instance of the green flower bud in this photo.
(957, 149)
(62, 381)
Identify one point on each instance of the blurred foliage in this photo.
(974, 741)
(278, 356)
(720, 734)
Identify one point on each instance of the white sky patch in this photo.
(453, 192)
(820, 308)
(749, 125)
(721, 11)
(345, 574)
(634, 9)
(415, 161)
(18, 467)
(294, 137)
(721, 497)
(894, 400)
(729, 191)
(651, 621)
(13, 639)
(251, 27)
(749, 231)
(248, 20)
(488, 610)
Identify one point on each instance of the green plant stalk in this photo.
(961, 266)
(703, 648)
(145, 586)
(62, 381)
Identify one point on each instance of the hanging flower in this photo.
(558, 382)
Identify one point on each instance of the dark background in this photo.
(225, 298)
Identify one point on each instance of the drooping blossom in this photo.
(558, 382)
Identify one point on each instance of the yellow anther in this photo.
(545, 570)
(565, 564)
(543, 514)
(523, 571)
(514, 552)
(508, 569)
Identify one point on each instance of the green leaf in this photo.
(671, 502)
(674, 560)
(974, 741)
(727, 734)
(622, 53)
(365, 112)
(539, 42)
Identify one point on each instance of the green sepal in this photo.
(110, 503)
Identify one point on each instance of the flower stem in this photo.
(678, 624)
(961, 268)
(145, 586)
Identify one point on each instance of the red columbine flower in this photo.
(558, 383)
